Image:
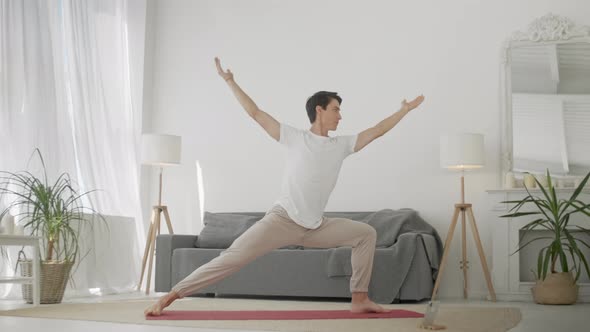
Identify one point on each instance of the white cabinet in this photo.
(510, 281)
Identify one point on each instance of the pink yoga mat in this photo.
(279, 315)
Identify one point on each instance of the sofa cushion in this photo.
(221, 229)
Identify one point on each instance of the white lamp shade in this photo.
(160, 150)
(462, 151)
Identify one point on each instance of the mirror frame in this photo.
(547, 30)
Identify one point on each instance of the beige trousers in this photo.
(277, 230)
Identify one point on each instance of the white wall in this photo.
(374, 53)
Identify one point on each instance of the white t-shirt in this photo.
(312, 167)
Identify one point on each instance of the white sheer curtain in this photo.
(65, 88)
(30, 115)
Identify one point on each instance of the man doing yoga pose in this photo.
(313, 162)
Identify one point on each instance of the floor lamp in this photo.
(463, 152)
(157, 150)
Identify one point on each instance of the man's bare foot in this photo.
(361, 304)
(156, 308)
(366, 306)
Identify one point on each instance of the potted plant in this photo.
(54, 212)
(555, 285)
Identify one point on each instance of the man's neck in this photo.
(317, 129)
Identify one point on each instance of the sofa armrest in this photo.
(165, 246)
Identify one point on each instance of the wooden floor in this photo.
(538, 318)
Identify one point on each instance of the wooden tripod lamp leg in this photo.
(153, 245)
(464, 253)
(148, 244)
(482, 256)
(167, 217)
(445, 252)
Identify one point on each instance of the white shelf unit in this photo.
(23, 240)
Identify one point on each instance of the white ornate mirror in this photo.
(546, 98)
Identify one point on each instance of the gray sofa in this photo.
(405, 264)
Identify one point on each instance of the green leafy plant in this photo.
(554, 215)
(48, 210)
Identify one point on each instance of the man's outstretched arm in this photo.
(369, 135)
(267, 122)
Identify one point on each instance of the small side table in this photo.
(24, 240)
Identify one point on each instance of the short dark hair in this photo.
(322, 99)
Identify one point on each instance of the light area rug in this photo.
(454, 317)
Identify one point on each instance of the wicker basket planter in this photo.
(54, 278)
(557, 288)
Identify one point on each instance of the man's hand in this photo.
(267, 122)
(226, 75)
(387, 124)
(413, 104)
